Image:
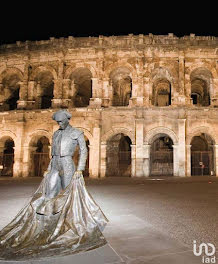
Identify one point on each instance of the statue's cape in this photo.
(69, 223)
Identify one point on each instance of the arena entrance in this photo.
(118, 156)
(202, 156)
(40, 156)
(161, 156)
(7, 157)
(76, 158)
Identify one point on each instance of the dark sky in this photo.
(84, 19)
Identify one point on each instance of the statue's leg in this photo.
(68, 168)
(53, 181)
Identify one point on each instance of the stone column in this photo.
(31, 95)
(181, 144)
(137, 98)
(103, 160)
(72, 93)
(96, 99)
(22, 102)
(133, 160)
(107, 93)
(175, 160)
(216, 159)
(95, 149)
(57, 100)
(188, 160)
(66, 93)
(26, 168)
(146, 163)
(17, 167)
(214, 95)
(139, 147)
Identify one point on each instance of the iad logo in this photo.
(210, 257)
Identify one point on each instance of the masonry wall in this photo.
(143, 87)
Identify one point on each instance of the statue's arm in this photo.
(83, 152)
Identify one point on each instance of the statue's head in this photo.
(62, 117)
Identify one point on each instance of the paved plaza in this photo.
(152, 220)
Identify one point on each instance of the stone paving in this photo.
(152, 220)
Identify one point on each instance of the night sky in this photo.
(84, 19)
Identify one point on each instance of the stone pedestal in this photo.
(136, 101)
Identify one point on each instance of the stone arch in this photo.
(115, 131)
(161, 87)
(151, 134)
(41, 68)
(8, 133)
(203, 161)
(81, 86)
(10, 80)
(71, 69)
(202, 129)
(201, 81)
(37, 133)
(113, 66)
(39, 154)
(7, 149)
(120, 80)
(118, 160)
(44, 77)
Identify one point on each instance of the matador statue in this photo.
(62, 217)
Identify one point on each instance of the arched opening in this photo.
(45, 89)
(82, 85)
(76, 158)
(10, 93)
(39, 156)
(200, 87)
(122, 86)
(7, 156)
(118, 156)
(161, 162)
(161, 92)
(202, 155)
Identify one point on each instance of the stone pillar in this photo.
(31, 95)
(26, 168)
(133, 160)
(214, 95)
(72, 93)
(188, 160)
(139, 147)
(181, 144)
(146, 163)
(103, 160)
(96, 99)
(175, 160)
(57, 100)
(137, 98)
(107, 93)
(66, 93)
(216, 159)
(22, 102)
(95, 149)
(17, 167)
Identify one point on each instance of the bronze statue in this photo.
(62, 217)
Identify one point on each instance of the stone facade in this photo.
(147, 104)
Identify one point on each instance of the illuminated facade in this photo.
(147, 104)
